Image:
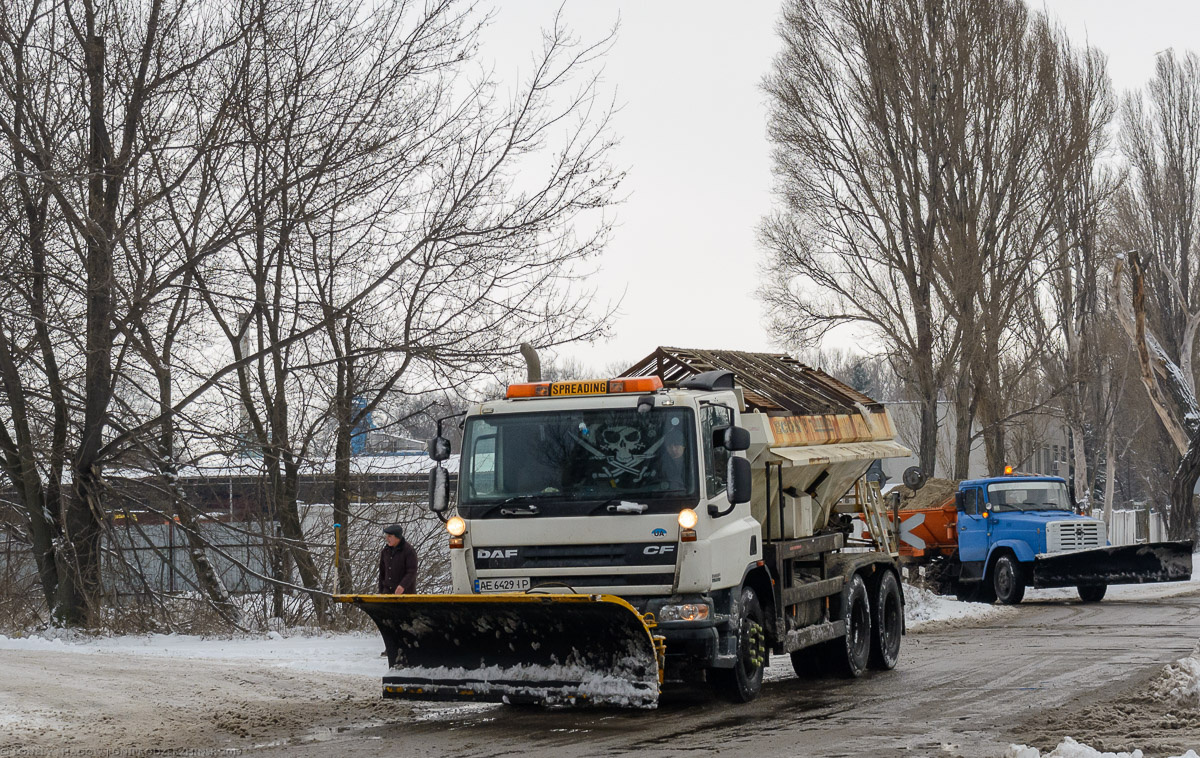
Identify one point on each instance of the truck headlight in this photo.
(456, 526)
(688, 518)
(684, 612)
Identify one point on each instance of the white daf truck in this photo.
(681, 522)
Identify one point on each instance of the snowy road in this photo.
(970, 690)
(971, 682)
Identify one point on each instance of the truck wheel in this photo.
(974, 592)
(1092, 593)
(856, 612)
(1008, 580)
(813, 661)
(743, 682)
(887, 622)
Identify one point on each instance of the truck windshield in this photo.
(1028, 496)
(597, 456)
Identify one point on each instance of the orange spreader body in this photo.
(939, 530)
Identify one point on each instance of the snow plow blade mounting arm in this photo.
(1126, 564)
(548, 649)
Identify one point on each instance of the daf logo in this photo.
(499, 552)
(659, 532)
(658, 549)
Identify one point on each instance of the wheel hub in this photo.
(754, 647)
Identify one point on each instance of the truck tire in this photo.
(856, 612)
(813, 661)
(1008, 580)
(887, 622)
(1092, 593)
(743, 682)
(974, 592)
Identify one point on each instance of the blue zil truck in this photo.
(1002, 534)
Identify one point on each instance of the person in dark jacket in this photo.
(397, 563)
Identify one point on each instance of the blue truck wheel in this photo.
(1092, 593)
(1008, 580)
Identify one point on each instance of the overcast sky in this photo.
(684, 260)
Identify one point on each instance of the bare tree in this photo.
(1071, 321)
(1172, 395)
(1158, 215)
(858, 102)
(180, 178)
(88, 95)
(1031, 128)
(913, 156)
(485, 268)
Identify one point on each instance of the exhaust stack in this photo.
(533, 364)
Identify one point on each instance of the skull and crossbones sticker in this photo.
(623, 450)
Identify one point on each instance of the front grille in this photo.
(604, 580)
(1074, 535)
(608, 555)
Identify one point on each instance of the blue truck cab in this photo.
(1022, 531)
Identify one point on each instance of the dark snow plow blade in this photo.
(555, 650)
(1127, 564)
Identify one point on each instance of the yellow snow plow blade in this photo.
(548, 649)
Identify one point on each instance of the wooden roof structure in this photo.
(774, 383)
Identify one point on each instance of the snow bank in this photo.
(1069, 748)
(1180, 680)
(353, 654)
(923, 607)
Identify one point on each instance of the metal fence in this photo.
(1136, 526)
(142, 557)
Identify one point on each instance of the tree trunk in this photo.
(1083, 494)
(21, 468)
(207, 579)
(1110, 472)
(78, 563)
(292, 529)
(964, 420)
(929, 430)
(1183, 487)
(341, 492)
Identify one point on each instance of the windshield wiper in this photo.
(530, 508)
(619, 505)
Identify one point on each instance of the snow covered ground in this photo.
(1177, 686)
(1069, 748)
(304, 656)
(356, 654)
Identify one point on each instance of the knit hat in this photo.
(394, 529)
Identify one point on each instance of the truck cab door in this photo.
(972, 526)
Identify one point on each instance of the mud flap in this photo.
(1127, 564)
(554, 650)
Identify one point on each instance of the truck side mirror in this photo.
(737, 482)
(439, 490)
(958, 501)
(736, 438)
(439, 448)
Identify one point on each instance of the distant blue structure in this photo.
(358, 438)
